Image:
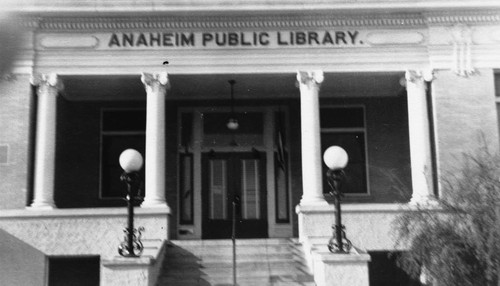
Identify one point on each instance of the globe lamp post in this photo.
(336, 160)
(131, 162)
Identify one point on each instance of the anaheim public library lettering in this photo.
(236, 39)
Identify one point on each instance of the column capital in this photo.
(159, 79)
(414, 76)
(310, 77)
(48, 80)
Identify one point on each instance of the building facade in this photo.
(405, 87)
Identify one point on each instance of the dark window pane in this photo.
(75, 271)
(342, 117)
(186, 192)
(354, 144)
(112, 147)
(124, 120)
(281, 169)
(281, 182)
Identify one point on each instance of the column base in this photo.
(424, 201)
(155, 204)
(41, 206)
(313, 202)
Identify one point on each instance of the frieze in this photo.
(332, 38)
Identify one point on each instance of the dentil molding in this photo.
(260, 21)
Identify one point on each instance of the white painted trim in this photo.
(72, 41)
(395, 37)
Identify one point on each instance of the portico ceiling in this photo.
(216, 86)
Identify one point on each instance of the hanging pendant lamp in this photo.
(232, 123)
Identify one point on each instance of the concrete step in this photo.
(241, 281)
(206, 281)
(258, 262)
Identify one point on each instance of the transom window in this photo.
(249, 133)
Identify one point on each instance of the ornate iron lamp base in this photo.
(333, 242)
(137, 246)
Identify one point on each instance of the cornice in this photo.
(259, 21)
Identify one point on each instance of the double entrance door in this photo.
(239, 178)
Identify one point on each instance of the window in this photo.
(186, 188)
(186, 169)
(281, 169)
(120, 129)
(345, 127)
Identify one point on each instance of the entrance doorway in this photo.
(238, 177)
(219, 165)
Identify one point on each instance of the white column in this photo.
(156, 86)
(312, 183)
(420, 143)
(48, 87)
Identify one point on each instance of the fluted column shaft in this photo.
(419, 129)
(48, 87)
(156, 87)
(312, 183)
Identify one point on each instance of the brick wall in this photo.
(16, 101)
(466, 117)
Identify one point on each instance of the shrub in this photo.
(457, 240)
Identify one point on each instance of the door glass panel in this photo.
(186, 193)
(218, 189)
(250, 189)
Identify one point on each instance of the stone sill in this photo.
(354, 256)
(119, 261)
(81, 212)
